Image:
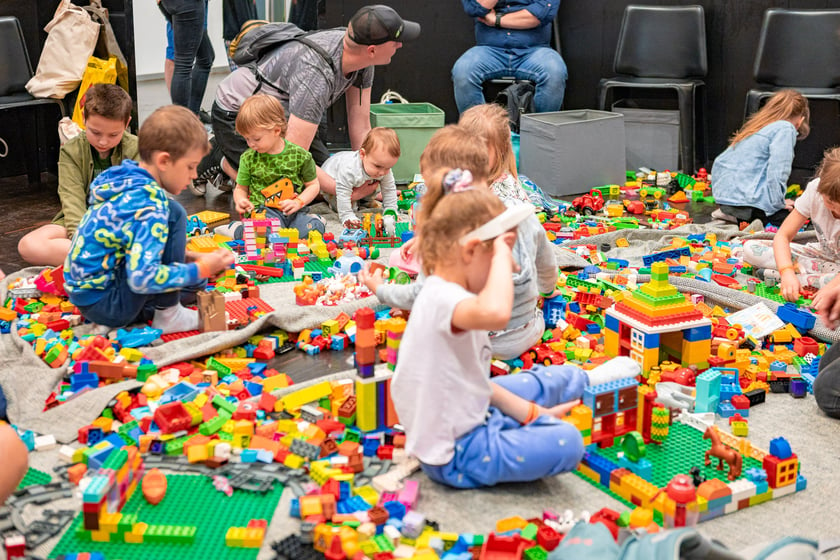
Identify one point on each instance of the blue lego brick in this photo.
(255, 389)
(257, 368)
(593, 328)
(394, 509)
(611, 323)
(697, 333)
(574, 307)
(601, 465)
(294, 508)
(780, 448)
(651, 340)
(643, 468)
(799, 318)
(338, 342)
(81, 380)
(665, 255)
(726, 410)
(801, 483)
(248, 456)
(621, 263)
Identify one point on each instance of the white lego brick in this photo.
(45, 442)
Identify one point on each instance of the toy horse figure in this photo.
(723, 453)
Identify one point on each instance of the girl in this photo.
(749, 179)
(466, 430)
(537, 269)
(815, 264)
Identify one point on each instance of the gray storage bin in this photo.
(652, 137)
(569, 152)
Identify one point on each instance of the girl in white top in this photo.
(466, 430)
(814, 264)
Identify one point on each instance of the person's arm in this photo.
(292, 205)
(546, 261)
(478, 8)
(72, 183)
(301, 132)
(521, 19)
(15, 461)
(521, 410)
(784, 259)
(242, 192)
(343, 194)
(490, 309)
(388, 186)
(400, 296)
(779, 163)
(358, 115)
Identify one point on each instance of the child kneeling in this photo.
(274, 174)
(466, 430)
(126, 262)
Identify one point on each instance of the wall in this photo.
(589, 33)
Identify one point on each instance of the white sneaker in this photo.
(228, 230)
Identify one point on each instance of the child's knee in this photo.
(316, 223)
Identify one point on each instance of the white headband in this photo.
(505, 221)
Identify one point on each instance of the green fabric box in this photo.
(415, 123)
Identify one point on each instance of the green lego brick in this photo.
(34, 477)
(190, 522)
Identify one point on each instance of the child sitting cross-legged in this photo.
(359, 174)
(126, 261)
(467, 430)
(274, 174)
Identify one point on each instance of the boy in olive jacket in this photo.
(106, 142)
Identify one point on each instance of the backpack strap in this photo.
(262, 80)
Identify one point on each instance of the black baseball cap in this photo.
(377, 24)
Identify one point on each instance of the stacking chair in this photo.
(798, 49)
(15, 72)
(663, 47)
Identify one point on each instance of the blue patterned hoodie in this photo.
(125, 226)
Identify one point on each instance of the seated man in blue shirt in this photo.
(513, 39)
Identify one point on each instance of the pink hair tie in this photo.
(457, 180)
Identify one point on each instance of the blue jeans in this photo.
(120, 306)
(503, 450)
(194, 53)
(542, 65)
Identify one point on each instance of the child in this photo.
(106, 142)
(749, 179)
(126, 262)
(485, 432)
(269, 163)
(358, 173)
(815, 264)
(15, 461)
(456, 146)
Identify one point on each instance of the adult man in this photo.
(513, 39)
(308, 80)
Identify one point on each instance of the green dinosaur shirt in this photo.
(257, 171)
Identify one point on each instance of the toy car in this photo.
(655, 192)
(588, 204)
(195, 226)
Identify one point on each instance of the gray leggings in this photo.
(827, 383)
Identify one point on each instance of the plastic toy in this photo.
(723, 453)
(154, 486)
(588, 204)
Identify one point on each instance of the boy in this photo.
(126, 262)
(370, 165)
(274, 174)
(106, 142)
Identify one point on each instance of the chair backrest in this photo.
(799, 48)
(662, 42)
(16, 69)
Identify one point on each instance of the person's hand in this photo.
(192, 256)
(489, 18)
(352, 223)
(408, 248)
(217, 261)
(372, 280)
(827, 303)
(290, 205)
(244, 206)
(503, 245)
(561, 410)
(790, 285)
(789, 203)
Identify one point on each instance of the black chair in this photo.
(664, 47)
(15, 72)
(798, 49)
(494, 86)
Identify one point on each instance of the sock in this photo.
(621, 367)
(175, 319)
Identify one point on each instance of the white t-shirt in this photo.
(811, 205)
(441, 387)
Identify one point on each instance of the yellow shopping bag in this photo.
(98, 71)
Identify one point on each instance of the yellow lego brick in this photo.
(197, 453)
(510, 524)
(589, 473)
(293, 401)
(367, 493)
(236, 364)
(131, 354)
(294, 461)
(243, 427)
(234, 537)
(105, 423)
(273, 382)
(641, 517)
(761, 498)
(211, 216)
(100, 536)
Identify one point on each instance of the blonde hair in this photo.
(454, 146)
(444, 218)
(261, 111)
(829, 174)
(381, 137)
(785, 104)
(172, 129)
(491, 121)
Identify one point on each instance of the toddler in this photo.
(358, 174)
(126, 261)
(749, 179)
(274, 174)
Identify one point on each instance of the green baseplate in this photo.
(189, 500)
(682, 449)
(34, 477)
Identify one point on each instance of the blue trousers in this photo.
(193, 52)
(542, 65)
(120, 306)
(503, 450)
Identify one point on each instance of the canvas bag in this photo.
(71, 38)
(107, 45)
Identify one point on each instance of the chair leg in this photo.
(30, 141)
(686, 131)
(602, 97)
